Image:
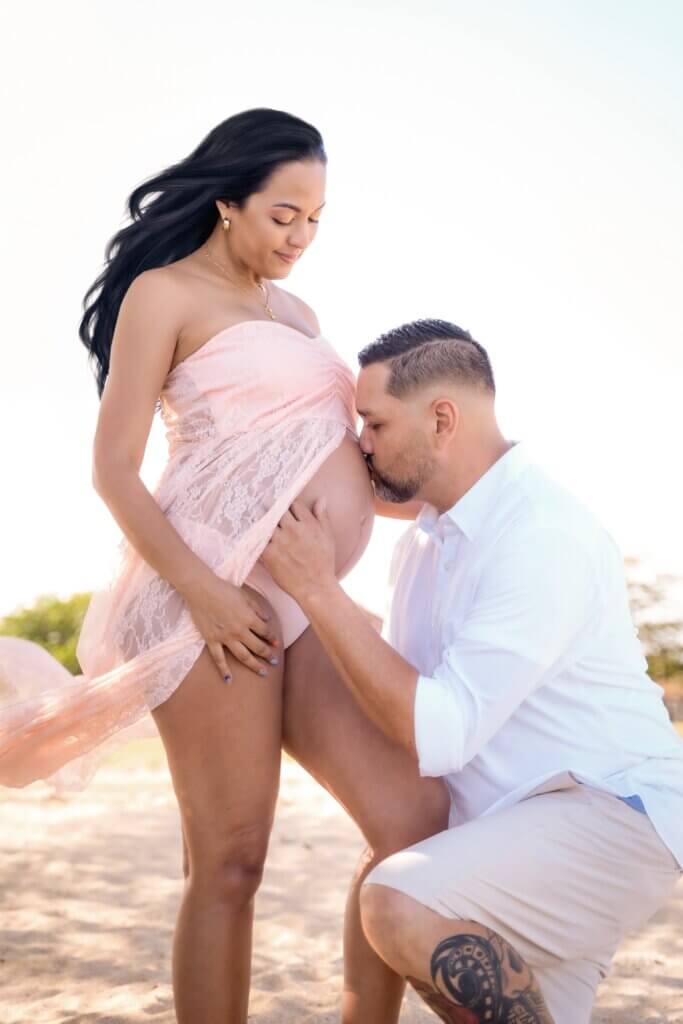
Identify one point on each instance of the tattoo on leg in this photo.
(442, 1007)
(480, 979)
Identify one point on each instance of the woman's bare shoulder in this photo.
(301, 308)
(171, 282)
(149, 320)
(161, 298)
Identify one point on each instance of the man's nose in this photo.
(364, 442)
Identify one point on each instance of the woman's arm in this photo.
(398, 510)
(147, 327)
(142, 350)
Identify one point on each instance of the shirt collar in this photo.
(470, 512)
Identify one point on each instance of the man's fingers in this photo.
(297, 513)
(296, 509)
(287, 517)
(320, 509)
(301, 512)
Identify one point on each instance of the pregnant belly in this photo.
(343, 479)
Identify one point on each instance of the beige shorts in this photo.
(562, 876)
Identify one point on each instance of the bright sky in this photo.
(513, 166)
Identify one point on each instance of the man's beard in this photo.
(405, 488)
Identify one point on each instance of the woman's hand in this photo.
(226, 616)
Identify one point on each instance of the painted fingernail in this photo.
(263, 672)
(274, 661)
(227, 679)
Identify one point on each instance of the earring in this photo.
(226, 224)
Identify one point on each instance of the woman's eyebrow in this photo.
(291, 206)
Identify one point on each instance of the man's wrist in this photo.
(316, 593)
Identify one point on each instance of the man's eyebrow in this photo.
(291, 206)
(363, 412)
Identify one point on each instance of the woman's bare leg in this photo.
(378, 784)
(223, 744)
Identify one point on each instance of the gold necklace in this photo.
(259, 284)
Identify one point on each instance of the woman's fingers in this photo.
(261, 614)
(256, 645)
(265, 633)
(243, 654)
(246, 655)
(218, 654)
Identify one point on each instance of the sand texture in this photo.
(90, 889)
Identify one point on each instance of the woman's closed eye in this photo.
(286, 223)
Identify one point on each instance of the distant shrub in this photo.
(660, 631)
(53, 623)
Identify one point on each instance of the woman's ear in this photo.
(225, 206)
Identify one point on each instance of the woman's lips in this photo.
(287, 259)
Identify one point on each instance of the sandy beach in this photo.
(90, 889)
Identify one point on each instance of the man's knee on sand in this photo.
(391, 924)
(397, 925)
(456, 966)
(401, 929)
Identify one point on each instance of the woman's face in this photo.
(276, 226)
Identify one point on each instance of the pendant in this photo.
(266, 305)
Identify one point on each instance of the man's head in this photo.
(426, 395)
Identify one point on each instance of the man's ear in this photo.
(447, 418)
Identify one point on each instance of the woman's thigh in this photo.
(223, 743)
(374, 779)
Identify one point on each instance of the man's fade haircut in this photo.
(426, 351)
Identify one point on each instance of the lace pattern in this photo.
(247, 428)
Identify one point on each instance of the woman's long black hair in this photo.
(234, 160)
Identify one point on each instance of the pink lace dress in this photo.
(250, 417)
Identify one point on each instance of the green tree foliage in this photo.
(660, 631)
(53, 623)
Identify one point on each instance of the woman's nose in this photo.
(299, 238)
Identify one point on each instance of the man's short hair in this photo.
(427, 351)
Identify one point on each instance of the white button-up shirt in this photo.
(513, 607)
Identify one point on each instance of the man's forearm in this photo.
(382, 682)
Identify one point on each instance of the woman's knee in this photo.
(229, 869)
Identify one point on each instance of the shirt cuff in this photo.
(438, 728)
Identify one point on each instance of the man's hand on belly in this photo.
(300, 558)
(300, 555)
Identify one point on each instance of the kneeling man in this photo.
(509, 666)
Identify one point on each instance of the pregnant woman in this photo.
(259, 410)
